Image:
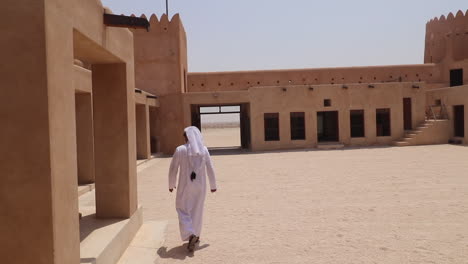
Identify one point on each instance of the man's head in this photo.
(194, 138)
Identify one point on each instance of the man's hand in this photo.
(213, 190)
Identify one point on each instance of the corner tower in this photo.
(161, 56)
(447, 38)
(161, 69)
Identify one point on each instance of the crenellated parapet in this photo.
(163, 24)
(447, 38)
(161, 55)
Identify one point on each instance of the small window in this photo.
(357, 123)
(327, 102)
(456, 77)
(383, 122)
(297, 126)
(271, 121)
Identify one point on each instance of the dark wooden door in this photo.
(407, 116)
(328, 128)
(456, 77)
(245, 126)
(459, 120)
(196, 120)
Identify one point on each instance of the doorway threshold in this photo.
(330, 145)
(225, 150)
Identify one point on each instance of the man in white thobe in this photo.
(195, 164)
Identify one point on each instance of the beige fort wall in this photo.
(39, 153)
(160, 59)
(451, 96)
(284, 100)
(356, 97)
(243, 80)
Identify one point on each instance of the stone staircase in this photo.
(429, 132)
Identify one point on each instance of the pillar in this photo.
(84, 138)
(143, 132)
(114, 140)
(38, 193)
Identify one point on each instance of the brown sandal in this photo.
(192, 241)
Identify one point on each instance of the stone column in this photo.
(143, 132)
(84, 138)
(114, 140)
(38, 193)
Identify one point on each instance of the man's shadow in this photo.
(179, 252)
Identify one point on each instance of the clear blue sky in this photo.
(226, 35)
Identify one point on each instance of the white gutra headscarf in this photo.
(196, 147)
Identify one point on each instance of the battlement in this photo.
(161, 55)
(163, 23)
(451, 20)
(447, 38)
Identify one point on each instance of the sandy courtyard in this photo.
(221, 137)
(375, 205)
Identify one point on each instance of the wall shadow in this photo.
(89, 223)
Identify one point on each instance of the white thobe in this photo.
(190, 194)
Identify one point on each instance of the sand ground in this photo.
(374, 205)
(221, 136)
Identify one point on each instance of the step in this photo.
(331, 145)
(402, 144)
(144, 247)
(424, 127)
(103, 241)
(456, 141)
(85, 188)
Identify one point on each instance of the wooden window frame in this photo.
(297, 125)
(271, 130)
(383, 129)
(357, 127)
